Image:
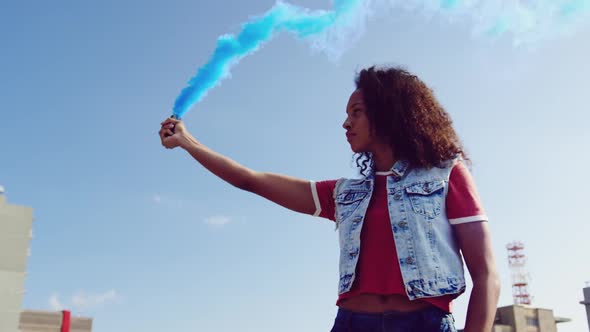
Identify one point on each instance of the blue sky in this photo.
(144, 239)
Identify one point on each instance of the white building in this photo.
(15, 236)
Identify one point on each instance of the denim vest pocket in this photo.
(348, 201)
(426, 197)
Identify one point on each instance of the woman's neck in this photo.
(383, 158)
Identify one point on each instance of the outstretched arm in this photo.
(292, 193)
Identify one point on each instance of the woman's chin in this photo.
(356, 149)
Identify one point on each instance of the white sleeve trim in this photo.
(316, 200)
(456, 221)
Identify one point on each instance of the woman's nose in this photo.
(346, 124)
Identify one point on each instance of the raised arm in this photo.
(292, 193)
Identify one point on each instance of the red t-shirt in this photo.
(374, 272)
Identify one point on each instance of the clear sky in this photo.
(144, 239)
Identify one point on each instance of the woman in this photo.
(404, 224)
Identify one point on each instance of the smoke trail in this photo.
(335, 30)
(231, 49)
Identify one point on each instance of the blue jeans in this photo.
(427, 320)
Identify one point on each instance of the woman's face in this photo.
(357, 126)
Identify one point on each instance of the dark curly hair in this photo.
(403, 111)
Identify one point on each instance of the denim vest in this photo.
(428, 254)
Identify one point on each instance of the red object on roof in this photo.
(65, 321)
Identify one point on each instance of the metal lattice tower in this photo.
(520, 277)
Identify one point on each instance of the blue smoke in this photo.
(231, 49)
(330, 31)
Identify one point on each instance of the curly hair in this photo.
(403, 111)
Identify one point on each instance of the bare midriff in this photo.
(372, 303)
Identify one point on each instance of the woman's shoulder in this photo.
(352, 184)
(442, 170)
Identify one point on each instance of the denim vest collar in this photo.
(398, 169)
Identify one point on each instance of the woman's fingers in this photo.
(165, 127)
(166, 131)
(170, 120)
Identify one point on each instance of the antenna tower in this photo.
(517, 262)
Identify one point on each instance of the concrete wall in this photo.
(39, 321)
(502, 328)
(526, 319)
(15, 236)
(546, 320)
(49, 321)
